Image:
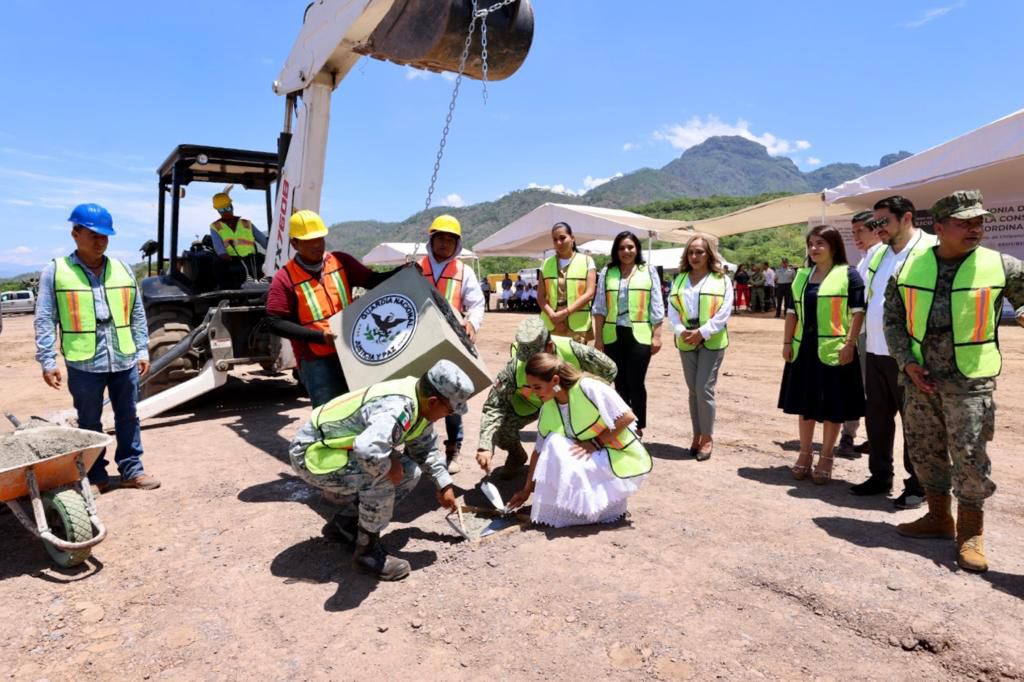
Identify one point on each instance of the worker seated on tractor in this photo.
(349, 449)
(234, 241)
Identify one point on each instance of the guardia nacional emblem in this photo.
(383, 329)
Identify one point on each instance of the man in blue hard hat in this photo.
(92, 302)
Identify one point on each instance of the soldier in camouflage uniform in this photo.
(349, 449)
(941, 309)
(501, 421)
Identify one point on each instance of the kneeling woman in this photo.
(588, 460)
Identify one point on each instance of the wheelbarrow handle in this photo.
(65, 546)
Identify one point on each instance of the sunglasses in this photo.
(876, 224)
(226, 209)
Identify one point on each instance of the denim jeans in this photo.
(323, 379)
(453, 428)
(87, 393)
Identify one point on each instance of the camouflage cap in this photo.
(862, 217)
(965, 204)
(531, 338)
(452, 383)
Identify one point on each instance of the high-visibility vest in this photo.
(328, 455)
(239, 241)
(76, 307)
(921, 242)
(524, 401)
(575, 287)
(319, 299)
(450, 281)
(977, 286)
(711, 297)
(628, 457)
(833, 311)
(639, 303)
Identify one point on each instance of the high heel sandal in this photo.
(704, 451)
(694, 446)
(799, 470)
(820, 476)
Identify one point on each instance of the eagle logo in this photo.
(383, 329)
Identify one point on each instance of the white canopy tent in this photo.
(530, 235)
(398, 253)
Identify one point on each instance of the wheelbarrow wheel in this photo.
(68, 518)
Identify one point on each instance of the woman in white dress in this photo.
(588, 460)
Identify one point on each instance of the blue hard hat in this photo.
(94, 217)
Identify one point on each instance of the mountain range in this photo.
(725, 166)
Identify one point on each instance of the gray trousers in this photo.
(700, 369)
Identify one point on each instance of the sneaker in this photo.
(909, 500)
(845, 448)
(142, 482)
(872, 486)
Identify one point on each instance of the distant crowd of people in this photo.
(512, 295)
(760, 288)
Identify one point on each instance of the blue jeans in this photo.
(453, 428)
(323, 379)
(87, 393)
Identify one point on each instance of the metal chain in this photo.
(477, 14)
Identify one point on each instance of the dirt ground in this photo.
(729, 568)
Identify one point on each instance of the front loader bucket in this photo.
(431, 34)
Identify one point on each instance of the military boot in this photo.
(452, 450)
(514, 463)
(937, 524)
(371, 557)
(341, 529)
(970, 548)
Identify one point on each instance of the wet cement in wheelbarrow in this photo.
(25, 447)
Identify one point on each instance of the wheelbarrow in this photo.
(57, 490)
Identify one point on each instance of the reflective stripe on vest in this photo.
(921, 242)
(639, 303)
(239, 241)
(76, 307)
(524, 401)
(711, 297)
(627, 457)
(977, 286)
(833, 312)
(575, 287)
(319, 299)
(328, 455)
(450, 281)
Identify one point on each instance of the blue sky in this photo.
(96, 95)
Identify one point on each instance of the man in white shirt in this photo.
(893, 222)
(784, 287)
(769, 286)
(868, 243)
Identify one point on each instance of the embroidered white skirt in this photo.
(572, 492)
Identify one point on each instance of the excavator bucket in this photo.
(431, 34)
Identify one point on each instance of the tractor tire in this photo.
(168, 326)
(68, 518)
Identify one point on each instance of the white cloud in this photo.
(697, 130)
(454, 200)
(628, 147)
(449, 76)
(22, 249)
(590, 182)
(813, 161)
(933, 14)
(18, 202)
(412, 74)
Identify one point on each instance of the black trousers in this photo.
(783, 298)
(884, 400)
(632, 359)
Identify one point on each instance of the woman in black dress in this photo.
(822, 380)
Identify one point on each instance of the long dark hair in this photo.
(568, 229)
(834, 240)
(626, 234)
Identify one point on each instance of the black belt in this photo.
(692, 323)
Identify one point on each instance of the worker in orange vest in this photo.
(460, 286)
(311, 287)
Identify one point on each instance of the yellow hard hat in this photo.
(446, 223)
(306, 224)
(221, 200)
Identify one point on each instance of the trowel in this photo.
(492, 494)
